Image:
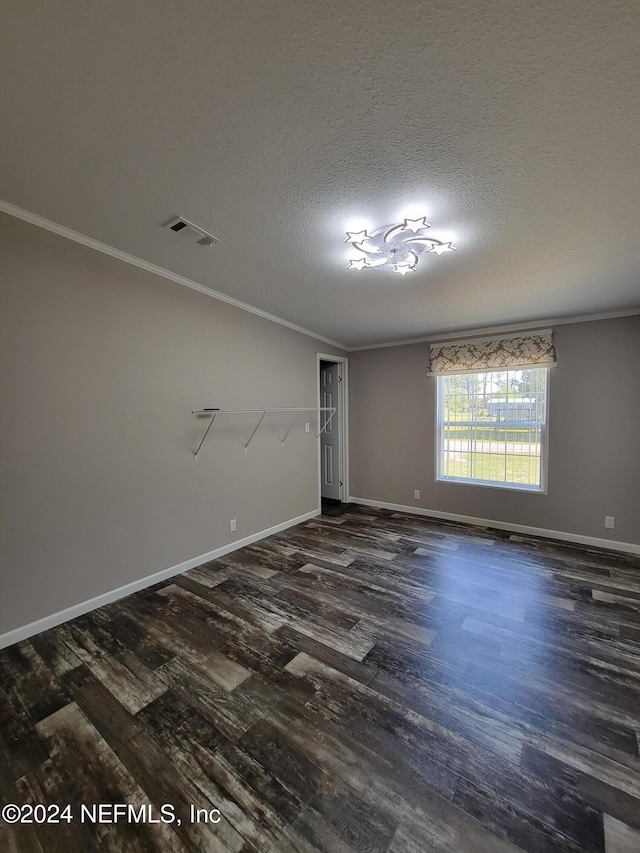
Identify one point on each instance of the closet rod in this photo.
(256, 411)
(213, 412)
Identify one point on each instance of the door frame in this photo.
(343, 424)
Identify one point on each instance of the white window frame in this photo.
(510, 487)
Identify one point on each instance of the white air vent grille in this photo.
(204, 238)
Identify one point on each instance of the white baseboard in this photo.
(83, 607)
(590, 541)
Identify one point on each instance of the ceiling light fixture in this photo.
(395, 247)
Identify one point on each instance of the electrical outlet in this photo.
(416, 494)
(609, 522)
(232, 525)
(306, 427)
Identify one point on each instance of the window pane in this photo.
(492, 426)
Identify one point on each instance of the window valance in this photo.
(506, 352)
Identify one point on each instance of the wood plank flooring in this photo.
(366, 681)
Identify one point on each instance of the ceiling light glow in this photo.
(358, 264)
(416, 225)
(357, 237)
(396, 248)
(441, 248)
(403, 269)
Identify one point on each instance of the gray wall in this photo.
(594, 425)
(101, 365)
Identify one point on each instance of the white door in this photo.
(330, 438)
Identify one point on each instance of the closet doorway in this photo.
(333, 447)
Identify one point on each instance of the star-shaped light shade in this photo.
(358, 264)
(441, 248)
(403, 269)
(416, 225)
(357, 237)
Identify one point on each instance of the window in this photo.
(492, 428)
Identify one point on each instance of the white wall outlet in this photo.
(306, 427)
(609, 522)
(416, 494)
(232, 525)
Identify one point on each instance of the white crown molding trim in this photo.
(590, 541)
(83, 607)
(533, 326)
(77, 237)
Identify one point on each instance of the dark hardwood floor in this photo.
(370, 681)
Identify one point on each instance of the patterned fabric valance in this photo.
(533, 349)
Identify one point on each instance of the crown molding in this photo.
(77, 237)
(532, 326)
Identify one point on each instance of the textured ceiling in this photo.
(275, 125)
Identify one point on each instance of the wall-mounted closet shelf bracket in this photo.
(213, 413)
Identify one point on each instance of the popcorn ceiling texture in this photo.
(511, 126)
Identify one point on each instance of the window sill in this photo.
(529, 490)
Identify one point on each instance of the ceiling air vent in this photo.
(204, 238)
